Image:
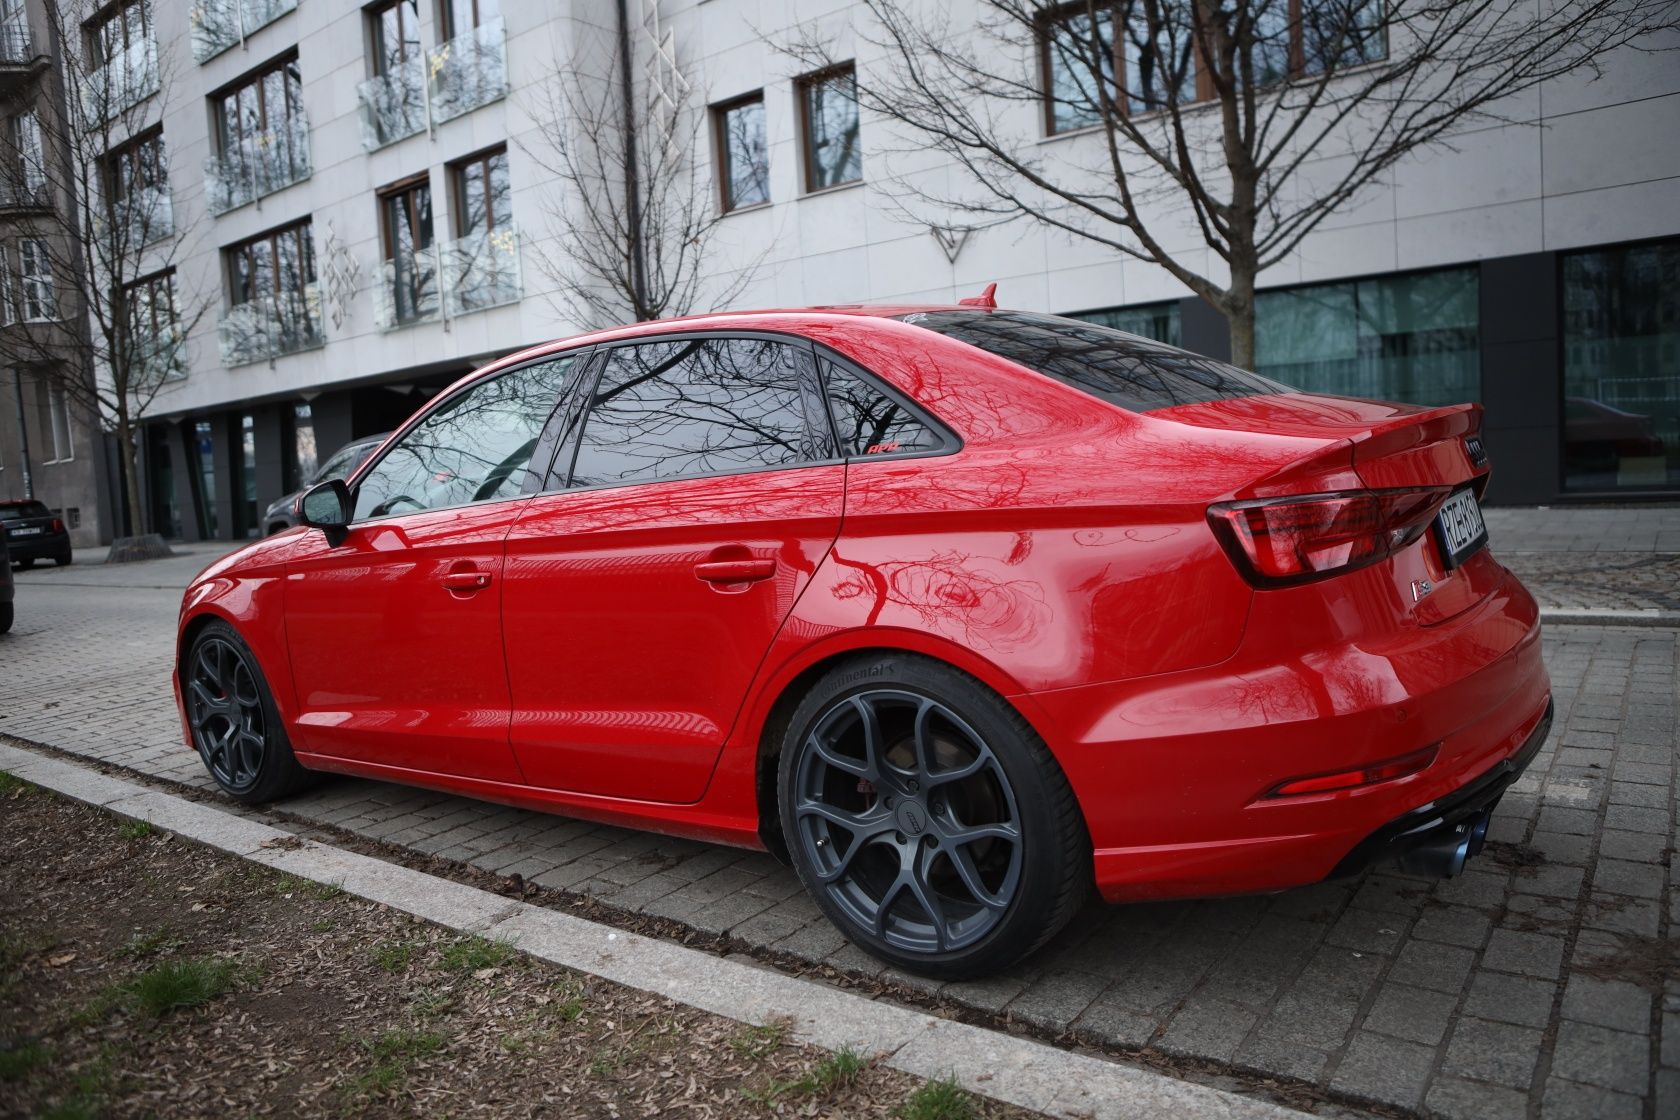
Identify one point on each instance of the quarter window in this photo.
(476, 447)
(867, 421)
(666, 410)
(743, 152)
(828, 102)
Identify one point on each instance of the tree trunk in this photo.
(136, 521)
(1242, 336)
(1238, 306)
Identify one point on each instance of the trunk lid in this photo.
(1371, 445)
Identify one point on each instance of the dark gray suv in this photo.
(282, 515)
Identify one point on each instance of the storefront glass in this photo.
(1621, 368)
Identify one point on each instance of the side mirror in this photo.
(326, 506)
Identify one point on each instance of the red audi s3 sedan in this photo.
(961, 610)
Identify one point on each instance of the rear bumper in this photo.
(39, 548)
(1172, 771)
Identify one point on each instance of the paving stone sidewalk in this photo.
(1543, 982)
(1593, 558)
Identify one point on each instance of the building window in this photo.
(8, 298)
(137, 188)
(52, 421)
(829, 119)
(1159, 321)
(262, 135)
(26, 181)
(483, 195)
(1621, 367)
(396, 35)
(154, 331)
(743, 153)
(204, 455)
(118, 29)
(304, 460)
(272, 298)
(1413, 337)
(410, 269)
(35, 282)
(462, 16)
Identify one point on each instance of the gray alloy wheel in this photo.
(928, 820)
(233, 720)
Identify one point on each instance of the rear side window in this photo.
(693, 407)
(1123, 369)
(868, 421)
(22, 510)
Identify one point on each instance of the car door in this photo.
(640, 600)
(395, 630)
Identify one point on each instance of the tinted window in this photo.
(1121, 368)
(699, 406)
(868, 421)
(475, 448)
(23, 510)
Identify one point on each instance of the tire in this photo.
(25, 565)
(62, 561)
(965, 848)
(233, 720)
(5, 617)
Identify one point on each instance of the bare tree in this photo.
(99, 314)
(1235, 126)
(632, 215)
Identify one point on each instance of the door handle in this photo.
(735, 571)
(466, 581)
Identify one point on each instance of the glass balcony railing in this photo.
(468, 71)
(407, 291)
(393, 105)
(123, 82)
(19, 191)
(481, 271)
(272, 325)
(258, 165)
(220, 24)
(156, 358)
(149, 213)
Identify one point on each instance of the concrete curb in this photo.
(1597, 616)
(1018, 1071)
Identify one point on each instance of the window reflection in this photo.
(832, 154)
(868, 421)
(475, 448)
(700, 406)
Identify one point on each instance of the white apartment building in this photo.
(366, 197)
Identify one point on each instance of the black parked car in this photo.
(282, 515)
(33, 532)
(6, 588)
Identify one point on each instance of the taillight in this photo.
(58, 526)
(1277, 542)
(1387, 771)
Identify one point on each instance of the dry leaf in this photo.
(59, 960)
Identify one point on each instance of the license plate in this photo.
(1459, 528)
(25, 532)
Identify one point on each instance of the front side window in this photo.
(475, 447)
(868, 421)
(830, 109)
(743, 152)
(1119, 368)
(665, 410)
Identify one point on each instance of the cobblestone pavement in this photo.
(1595, 558)
(1545, 981)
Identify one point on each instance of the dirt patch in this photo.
(1647, 961)
(1515, 856)
(142, 975)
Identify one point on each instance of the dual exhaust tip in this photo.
(1443, 855)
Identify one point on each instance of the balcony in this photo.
(257, 166)
(268, 328)
(21, 192)
(157, 358)
(481, 271)
(220, 24)
(122, 83)
(19, 60)
(468, 71)
(393, 106)
(407, 291)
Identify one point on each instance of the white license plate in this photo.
(25, 532)
(1459, 528)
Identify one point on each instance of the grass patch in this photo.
(135, 829)
(836, 1071)
(179, 985)
(13, 786)
(394, 1053)
(143, 945)
(471, 954)
(938, 1100)
(18, 1062)
(292, 884)
(757, 1042)
(87, 1090)
(394, 954)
